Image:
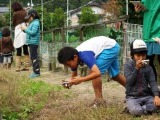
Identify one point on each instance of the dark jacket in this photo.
(139, 82)
(6, 45)
(18, 17)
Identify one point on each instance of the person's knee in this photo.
(120, 79)
(136, 111)
(116, 78)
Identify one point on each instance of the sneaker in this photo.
(98, 103)
(34, 75)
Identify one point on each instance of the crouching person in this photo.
(142, 94)
(100, 54)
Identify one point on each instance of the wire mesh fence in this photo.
(131, 32)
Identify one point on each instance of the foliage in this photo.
(113, 8)
(3, 21)
(7, 16)
(52, 20)
(58, 18)
(21, 96)
(114, 34)
(87, 16)
(73, 38)
(118, 7)
(51, 5)
(46, 17)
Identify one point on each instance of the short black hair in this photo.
(6, 32)
(66, 54)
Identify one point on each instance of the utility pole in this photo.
(67, 17)
(10, 13)
(127, 7)
(42, 18)
(30, 4)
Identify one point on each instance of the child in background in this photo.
(6, 48)
(33, 39)
(100, 54)
(142, 94)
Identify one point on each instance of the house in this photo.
(74, 14)
(3, 9)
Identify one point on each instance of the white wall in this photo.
(74, 18)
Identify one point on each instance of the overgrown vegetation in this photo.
(31, 99)
(20, 96)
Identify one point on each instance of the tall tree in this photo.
(88, 16)
(113, 8)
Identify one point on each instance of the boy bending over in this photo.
(100, 54)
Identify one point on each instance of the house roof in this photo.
(90, 4)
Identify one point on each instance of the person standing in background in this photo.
(33, 39)
(6, 48)
(20, 37)
(151, 29)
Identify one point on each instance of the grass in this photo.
(33, 99)
(21, 96)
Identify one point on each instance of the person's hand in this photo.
(75, 80)
(138, 8)
(157, 101)
(139, 64)
(66, 84)
(157, 39)
(23, 27)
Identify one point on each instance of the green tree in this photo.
(87, 16)
(46, 17)
(58, 18)
(4, 20)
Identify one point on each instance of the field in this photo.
(44, 98)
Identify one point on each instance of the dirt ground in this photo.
(69, 102)
(113, 93)
(111, 89)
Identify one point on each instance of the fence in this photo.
(131, 32)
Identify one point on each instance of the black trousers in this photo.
(151, 63)
(25, 50)
(34, 58)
